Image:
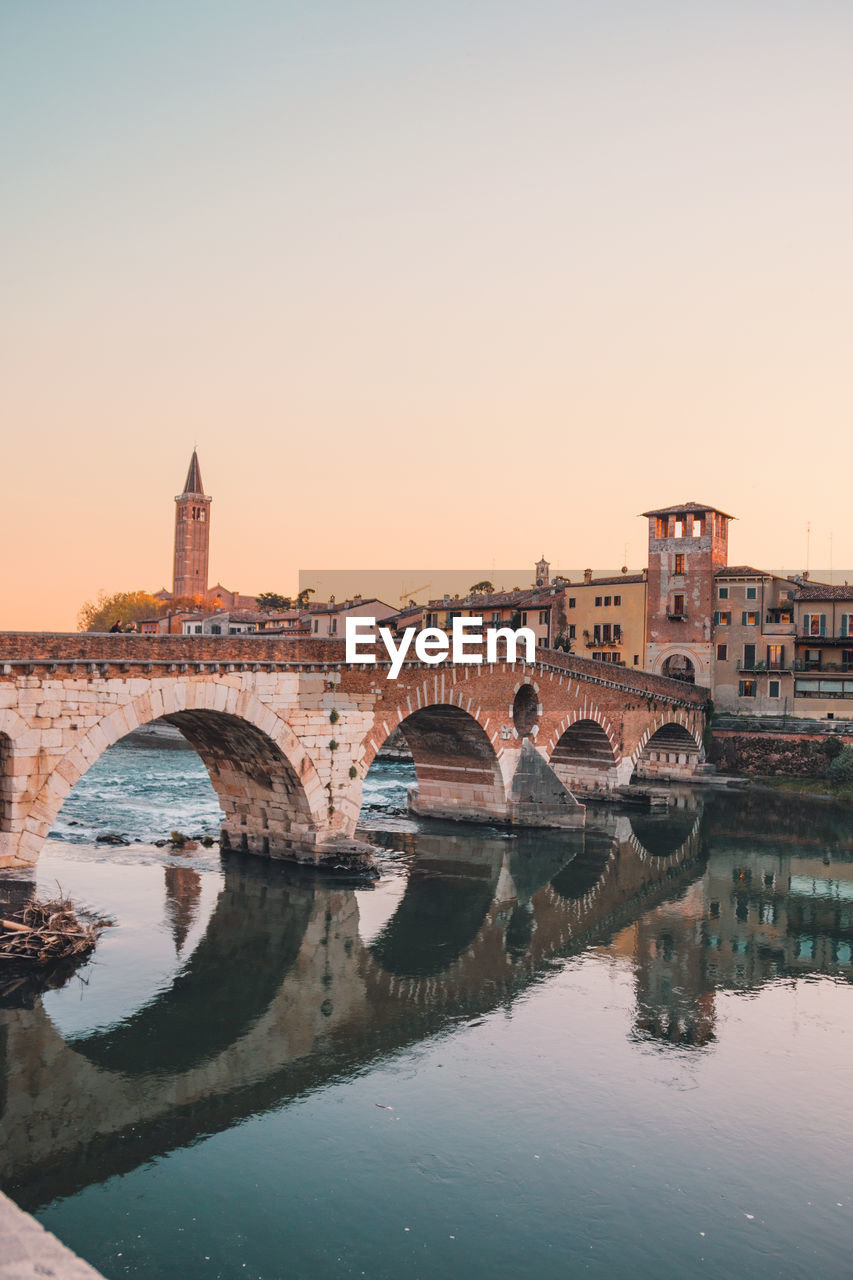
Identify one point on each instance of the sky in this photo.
(452, 283)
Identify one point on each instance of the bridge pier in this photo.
(529, 794)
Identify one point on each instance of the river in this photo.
(623, 1052)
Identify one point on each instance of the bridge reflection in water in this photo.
(285, 992)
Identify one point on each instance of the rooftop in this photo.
(823, 591)
(687, 508)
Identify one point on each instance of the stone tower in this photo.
(192, 535)
(543, 573)
(688, 543)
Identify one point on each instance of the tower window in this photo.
(679, 563)
(679, 528)
(661, 524)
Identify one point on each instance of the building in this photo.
(753, 641)
(605, 618)
(219, 624)
(192, 536)
(192, 553)
(823, 656)
(327, 620)
(688, 543)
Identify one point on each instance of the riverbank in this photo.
(811, 788)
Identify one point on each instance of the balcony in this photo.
(676, 617)
(778, 629)
(758, 665)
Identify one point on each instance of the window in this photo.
(749, 619)
(678, 606)
(598, 602)
(775, 657)
(617, 600)
(333, 627)
(815, 624)
(596, 633)
(523, 619)
(571, 602)
(847, 659)
(636, 659)
(678, 531)
(697, 527)
(847, 624)
(316, 625)
(496, 617)
(746, 689)
(607, 600)
(722, 651)
(605, 633)
(215, 629)
(813, 657)
(679, 563)
(661, 524)
(723, 619)
(748, 657)
(773, 689)
(543, 617)
(198, 630)
(617, 633)
(572, 631)
(723, 593)
(751, 593)
(432, 619)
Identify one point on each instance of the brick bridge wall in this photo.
(288, 730)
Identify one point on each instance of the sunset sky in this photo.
(432, 283)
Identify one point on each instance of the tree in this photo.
(123, 607)
(272, 602)
(302, 598)
(484, 586)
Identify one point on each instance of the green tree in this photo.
(123, 607)
(484, 586)
(302, 598)
(841, 768)
(272, 602)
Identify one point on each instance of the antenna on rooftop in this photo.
(808, 543)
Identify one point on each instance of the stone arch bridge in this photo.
(287, 730)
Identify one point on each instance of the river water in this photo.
(618, 1053)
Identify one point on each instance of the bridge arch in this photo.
(456, 761)
(584, 751)
(269, 790)
(668, 748)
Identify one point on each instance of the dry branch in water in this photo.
(42, 932)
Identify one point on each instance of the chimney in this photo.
(587, 575)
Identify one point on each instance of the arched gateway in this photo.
(288, 729)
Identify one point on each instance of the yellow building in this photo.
(605, 618)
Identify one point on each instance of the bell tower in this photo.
(192, 535)
(688, 543)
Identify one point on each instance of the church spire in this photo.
(193, 484)
(192, 536)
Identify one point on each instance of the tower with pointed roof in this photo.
(192, 535)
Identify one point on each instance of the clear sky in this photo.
(451, 282)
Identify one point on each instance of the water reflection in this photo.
(282, 994)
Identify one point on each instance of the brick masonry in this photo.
(288, 730)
